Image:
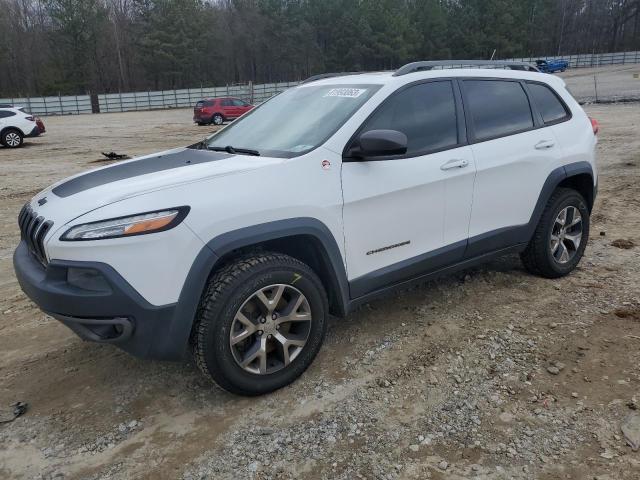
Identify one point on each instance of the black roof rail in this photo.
(430, 65)
(328, 75)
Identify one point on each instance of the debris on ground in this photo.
(623, 243)
(631, 430)
(115, 156)
(17, 409)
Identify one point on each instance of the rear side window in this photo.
(5, 114)
(425, 113)
(547, 103)
(497, 108)
(209, 103)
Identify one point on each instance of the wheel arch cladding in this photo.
(583, 183)
(306, 239)
(11, 127)
(578, 176)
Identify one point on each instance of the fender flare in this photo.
(12, 127)
(554, 179)
(210, 256)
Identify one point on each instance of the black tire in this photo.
(11, 138)
(226, 293)
(200, 124)
(217, 119)
(537, 257)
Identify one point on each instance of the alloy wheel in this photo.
(566, 235)
(12, 139)
(270, 329)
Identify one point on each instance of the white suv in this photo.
(15, 124)
(324, 197)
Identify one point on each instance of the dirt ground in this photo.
(491, 373)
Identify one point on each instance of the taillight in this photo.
(595, 125)
(31, 119)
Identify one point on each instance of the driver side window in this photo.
(425, 113)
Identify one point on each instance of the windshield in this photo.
(294, 122)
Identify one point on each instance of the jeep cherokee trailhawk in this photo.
(239, 247)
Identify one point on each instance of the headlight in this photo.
(141, 224)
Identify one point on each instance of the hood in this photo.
(85, 192)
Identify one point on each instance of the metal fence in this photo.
(163, 99)
(150, 100)
(60, 105)
(587, 60)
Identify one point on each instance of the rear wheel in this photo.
(260, 324)
(217, 119)
(11, 138)
(561, 236)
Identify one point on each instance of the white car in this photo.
(15, 125)
(324, 197)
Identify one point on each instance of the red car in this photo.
(219, 110)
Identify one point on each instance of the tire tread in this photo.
(534, 257)
(220, 282)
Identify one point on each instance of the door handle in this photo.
(455, 163)
(544, 145)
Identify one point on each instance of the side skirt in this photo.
(465, 264)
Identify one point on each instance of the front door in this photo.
(409, 214)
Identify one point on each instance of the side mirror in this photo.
(379, 143)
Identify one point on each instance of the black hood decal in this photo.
(136, 168)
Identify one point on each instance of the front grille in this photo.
(33, 229)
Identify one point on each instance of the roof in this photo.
(13, 109)
(219, 98)
(432, 69)
(387, 78)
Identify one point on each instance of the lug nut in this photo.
(260, 332)
(262, 319)
(274, 316)
(277, 327)
(269, 336)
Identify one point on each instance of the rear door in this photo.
(240, 107)
(514, 154)
(226, 105)
(3, 115)
(406, 215)
(555, 114)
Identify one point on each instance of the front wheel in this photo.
(11, 138)
(561, 236)
(261, 322)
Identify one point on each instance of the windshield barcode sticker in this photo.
(345, 92)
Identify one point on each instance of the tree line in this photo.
(80, 46)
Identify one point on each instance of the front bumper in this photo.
(108, 310)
